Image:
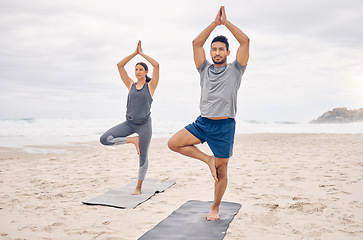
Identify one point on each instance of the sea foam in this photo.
(41, 131)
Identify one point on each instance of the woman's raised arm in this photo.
(121, 68)
(155, 78)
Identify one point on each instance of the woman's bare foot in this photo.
(136, 192)
(138, 188)
(135, 141)
(213, 215)
(212, 167)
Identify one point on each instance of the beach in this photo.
(291, 186)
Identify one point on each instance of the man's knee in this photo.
(222, 166)
(182, 139)
(173, 145)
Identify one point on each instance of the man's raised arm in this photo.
(198, 42)
(244, 42)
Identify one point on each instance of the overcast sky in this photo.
(58, 58)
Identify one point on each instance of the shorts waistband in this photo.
(216, 121)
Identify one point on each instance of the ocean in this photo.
(28, 132)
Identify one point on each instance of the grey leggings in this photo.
(118, 135)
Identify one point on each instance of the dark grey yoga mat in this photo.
(122, 198)
(189, 222)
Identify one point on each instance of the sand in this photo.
(291, 186)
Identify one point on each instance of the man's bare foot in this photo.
(135, 141)
(136, 192)
(212, 166)
(213, 215)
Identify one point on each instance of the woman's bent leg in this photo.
(117, 135)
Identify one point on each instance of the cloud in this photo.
(63, 54)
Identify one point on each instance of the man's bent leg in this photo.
(184, 143)
(219, 187)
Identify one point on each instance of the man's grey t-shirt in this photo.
(219, 86)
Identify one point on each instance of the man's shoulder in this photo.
(205, 65)
(236, 65)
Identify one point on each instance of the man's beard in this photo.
(221, 61)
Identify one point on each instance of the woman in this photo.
(138, 118)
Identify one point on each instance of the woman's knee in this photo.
(104, 141)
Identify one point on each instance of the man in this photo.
(216, 125)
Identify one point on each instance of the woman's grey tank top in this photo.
(138, 104)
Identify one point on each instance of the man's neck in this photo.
(220, 65)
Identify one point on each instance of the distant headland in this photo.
(341, 115)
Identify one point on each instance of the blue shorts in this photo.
(219, 134)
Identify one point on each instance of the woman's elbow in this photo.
(120, 65)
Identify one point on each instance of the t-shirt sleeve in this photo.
(241, 68)
(203, 66)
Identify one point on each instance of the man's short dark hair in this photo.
(222, 39)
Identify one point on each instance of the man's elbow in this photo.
(245, 42)
(194, 42)
(197, 43)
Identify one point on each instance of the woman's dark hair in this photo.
(146, 69)
(222, 39)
